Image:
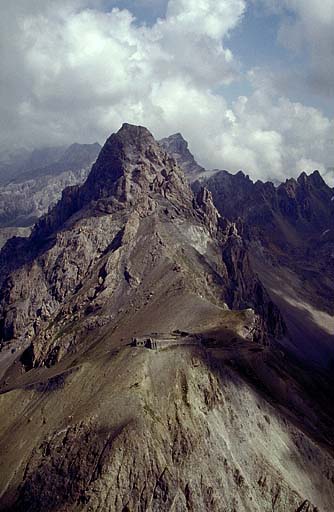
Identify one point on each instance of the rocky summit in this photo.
(177, 146)
(146, 362)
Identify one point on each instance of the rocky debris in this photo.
(196, 437)
(192, 427)
(132, 179)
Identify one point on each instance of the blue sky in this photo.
(254, 42)
(249, 83)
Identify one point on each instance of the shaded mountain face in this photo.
(219, 417)
(177, 146)
(36, 184)
(74, 157)
(21, 165)
(289, 232)
(293, 220)
(285, 214)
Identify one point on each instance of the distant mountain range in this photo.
(24, 165)
(32, 182)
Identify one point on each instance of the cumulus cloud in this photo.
(72, 70)
(77, 69)
(263, 134)
(307, 27)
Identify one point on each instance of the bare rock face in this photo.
(130, 168)
(177, 147)
(71, 247)
(230, 192)
(296, 208)
(245, 288)
(210, 213)
(289, 229)
(131, 165)
(220, 420)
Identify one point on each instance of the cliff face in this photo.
(132, 180)
(288, 230)
(212, 422)
(295, 209)
(177, 146)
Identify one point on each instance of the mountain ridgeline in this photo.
(151, 359)
(289, 233)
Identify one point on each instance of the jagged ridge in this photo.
(133, 252)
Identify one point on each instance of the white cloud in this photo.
(74, 72)
(264, 135)
(307, 26)
(78, 68)
(209, 17)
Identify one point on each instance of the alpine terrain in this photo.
(31, 182)
(167, 346)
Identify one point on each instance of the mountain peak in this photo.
(242, 176)
(177, 146)
(131, 171)
(302, 177)
(130, 156)
(177, 138)
(133, 132)
(130, 135)
(314, 179)
(176, 143)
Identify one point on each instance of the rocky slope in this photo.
(224, 420)
(132, 179)
(289, 230)
(177, 147)
(36, 184)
